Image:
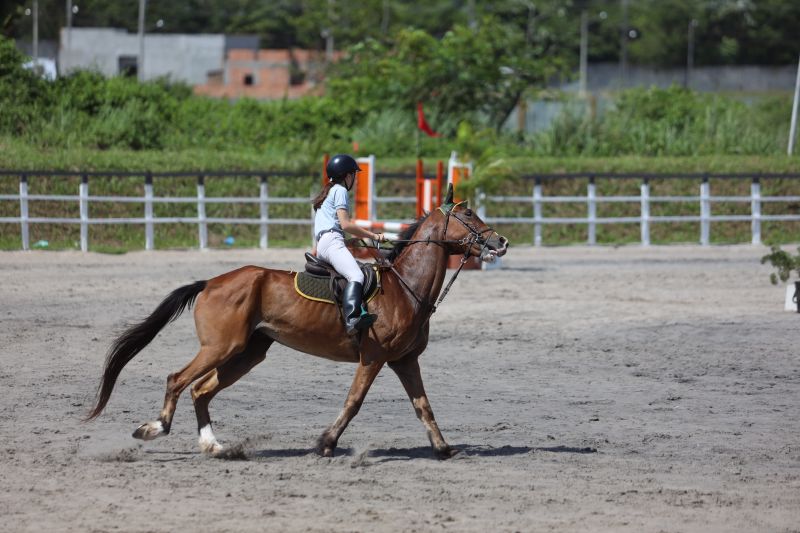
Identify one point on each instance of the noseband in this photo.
(474, 237)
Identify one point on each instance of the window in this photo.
(128, 66)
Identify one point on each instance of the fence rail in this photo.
(536, 199)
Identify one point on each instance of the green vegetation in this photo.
(784, 262)
(468, 68)
(741, 32)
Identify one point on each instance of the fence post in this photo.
(83, 195)
(755, 210)
(202, 225)
(591, 200)
(264, 207)
(23, 212)
(148, 211)
(705, 212)
(645, 203)
(480, 200)
(537, 212)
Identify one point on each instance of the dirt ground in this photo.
(588, 389)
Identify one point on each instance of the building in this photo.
(217, 65)
(266, 74)
(112, 52)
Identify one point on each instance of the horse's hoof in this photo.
(149, 431)
(212, 448)
(325, 452)
(445, 453)
(208, 442)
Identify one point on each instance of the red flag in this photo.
(422, 123)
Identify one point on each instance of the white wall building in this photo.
(112, 52)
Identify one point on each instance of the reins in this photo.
(474, 237)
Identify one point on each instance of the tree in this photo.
(468, 73)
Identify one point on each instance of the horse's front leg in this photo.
(407, 369)
(362, 381)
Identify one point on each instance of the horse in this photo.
(238, 315)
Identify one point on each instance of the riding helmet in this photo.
(340, 166)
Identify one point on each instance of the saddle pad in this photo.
(318, 288)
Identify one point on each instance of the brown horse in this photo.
(238, 316)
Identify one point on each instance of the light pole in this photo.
(584, 60)
(584, 52)
(71, 10)
(689, 53)
(35, 15)
(793, 126)
(140, 62)
(623, 56)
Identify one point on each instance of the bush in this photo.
(24, 97)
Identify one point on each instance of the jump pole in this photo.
(365, 189)
(427, 187)
(458, 172)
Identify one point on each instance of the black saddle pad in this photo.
(329, 289)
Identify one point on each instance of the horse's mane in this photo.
(405, 235)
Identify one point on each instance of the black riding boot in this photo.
(355, 317)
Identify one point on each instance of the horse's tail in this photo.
(135, 338)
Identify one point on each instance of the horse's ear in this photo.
(449, 198)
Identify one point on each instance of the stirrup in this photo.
(364, 322)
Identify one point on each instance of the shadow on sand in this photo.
(421, 452)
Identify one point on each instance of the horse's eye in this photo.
(468, 212)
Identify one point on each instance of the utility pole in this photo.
(584, 52)
(329, 33)
(68, 41)
(793, 127)
(140, 62)
(623, 43)
(385, 18)
(69, 22)
(689, 53)
(473, 23)
(35, 14)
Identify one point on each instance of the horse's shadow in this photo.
(380, 455)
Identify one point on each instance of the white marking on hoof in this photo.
(149, 431)
(208, 442)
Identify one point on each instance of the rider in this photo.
(331, 221)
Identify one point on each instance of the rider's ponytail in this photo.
(318, 199)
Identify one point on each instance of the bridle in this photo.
(473, 237)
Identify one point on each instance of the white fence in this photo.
(537, 199)
(705, 200)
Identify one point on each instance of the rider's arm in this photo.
(354, 229)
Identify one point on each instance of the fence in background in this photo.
(645, 201)
(536, 199)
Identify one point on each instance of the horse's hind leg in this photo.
(407, 369)
(207, 359)
(365, 375)
(204, 389)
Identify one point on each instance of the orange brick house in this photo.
(267, 74)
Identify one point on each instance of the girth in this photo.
(321, 282)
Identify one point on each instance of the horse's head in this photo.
(467, 233)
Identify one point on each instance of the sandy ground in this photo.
(588, 389)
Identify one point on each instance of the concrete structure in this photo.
(266, 74)
(722, 78)
(747, 81)
(112, 52)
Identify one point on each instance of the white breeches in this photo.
(331, 248)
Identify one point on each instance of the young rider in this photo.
(331, 221)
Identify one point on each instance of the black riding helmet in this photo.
(340, 166)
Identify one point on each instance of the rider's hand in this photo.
(380, 237)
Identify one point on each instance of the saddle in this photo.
(320, 281)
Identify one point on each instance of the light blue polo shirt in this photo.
(326, 218)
